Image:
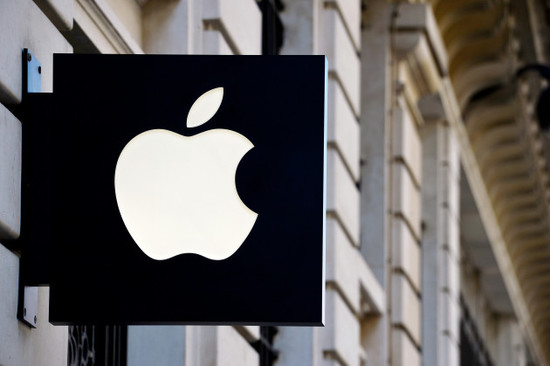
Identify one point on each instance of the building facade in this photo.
(438, 222)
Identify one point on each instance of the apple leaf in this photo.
(205, 107)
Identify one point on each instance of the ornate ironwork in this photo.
(81, 346)
(91, 345)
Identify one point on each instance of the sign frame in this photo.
(277, 277)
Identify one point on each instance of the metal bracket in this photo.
(29, 314)
(27, 311)
(32, 72)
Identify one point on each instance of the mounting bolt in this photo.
(29, 57)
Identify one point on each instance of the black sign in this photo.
(188, 189)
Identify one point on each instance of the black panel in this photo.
(100, 275)
(35, 192)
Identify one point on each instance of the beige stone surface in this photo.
(406, 252)
(249, 332)
(232, 349)
(167, 27)
(450, 273)
(407, 198)
(342, 57)
(450, 232)
(214, 43)
(25, 26)
(343, 128)
(406, 307)
(129, 14)
(340, 268)
(452, 152)
(301, 27)
(340, 336)
(350, 11)
(10, 174)
(450, 352)
(342, 196)
(60, 12)
(240, 22)
(156, 345)
(300, 345)
(348, 271)
(451, 190)
(419, 17)
(103, 27)
(217, 346)
(404, 351)
(46, 345)
(450, 316)
(407, 144)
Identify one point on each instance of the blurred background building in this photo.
(438, 232)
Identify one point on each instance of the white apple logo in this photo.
(177, 194)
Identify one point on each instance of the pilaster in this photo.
(420, 200)
(440, 250)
